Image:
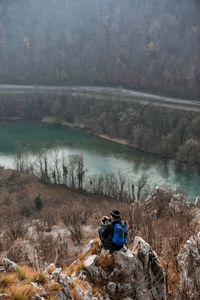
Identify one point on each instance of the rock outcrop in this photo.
(98, 275)
(189, 267)
(135, 274)
(9, 265)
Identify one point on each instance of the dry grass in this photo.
(81, 284)
(78, 265)
(27, 272)
(97, 291)
(22, 292)
(106, 262)
(6, 280)
(75, 267)
(17, 284)
(21, 274)
(39, 278)
(95, 249)
(51, 269)
(54, 287)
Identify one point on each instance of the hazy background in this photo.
(148, 45)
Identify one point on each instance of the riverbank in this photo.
(53, 121)
(143, 122)
(114, 140)
(60, 122)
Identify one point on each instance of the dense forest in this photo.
(138, 44)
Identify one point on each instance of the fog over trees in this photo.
(139, 44)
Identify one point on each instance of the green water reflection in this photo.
(100, 156)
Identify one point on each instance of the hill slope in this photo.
(143, 45)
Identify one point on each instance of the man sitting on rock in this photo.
(113, 232)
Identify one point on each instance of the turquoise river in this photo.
(100, 156)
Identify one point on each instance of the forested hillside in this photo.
(139, 44)
(170, 132)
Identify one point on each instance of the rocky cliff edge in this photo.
(96, 275)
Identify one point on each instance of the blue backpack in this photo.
(120, 236)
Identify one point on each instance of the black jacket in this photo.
(107, 235)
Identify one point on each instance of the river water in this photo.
(100, 156)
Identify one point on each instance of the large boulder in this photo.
(93, 270)
(126, 262)
(189, 267)
(150, 278)
(137, 273)
(123, 274)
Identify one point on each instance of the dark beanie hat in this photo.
(115, 214)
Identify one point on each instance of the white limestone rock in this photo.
(56, 274)
(125, 262)
(90, 263)
(9, 265)
(189, 266)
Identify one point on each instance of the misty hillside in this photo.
(139, 44)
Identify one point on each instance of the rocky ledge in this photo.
(99, 275)
(189, 268)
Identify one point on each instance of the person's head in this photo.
(115, 214)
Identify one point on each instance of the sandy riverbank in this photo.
(115, 140)
(61, 122)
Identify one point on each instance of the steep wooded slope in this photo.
(139, 44)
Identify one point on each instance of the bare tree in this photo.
(21, 159)
(142, 187)
(80, 170)
(72, 220)
(72, 170)
(43, 165)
